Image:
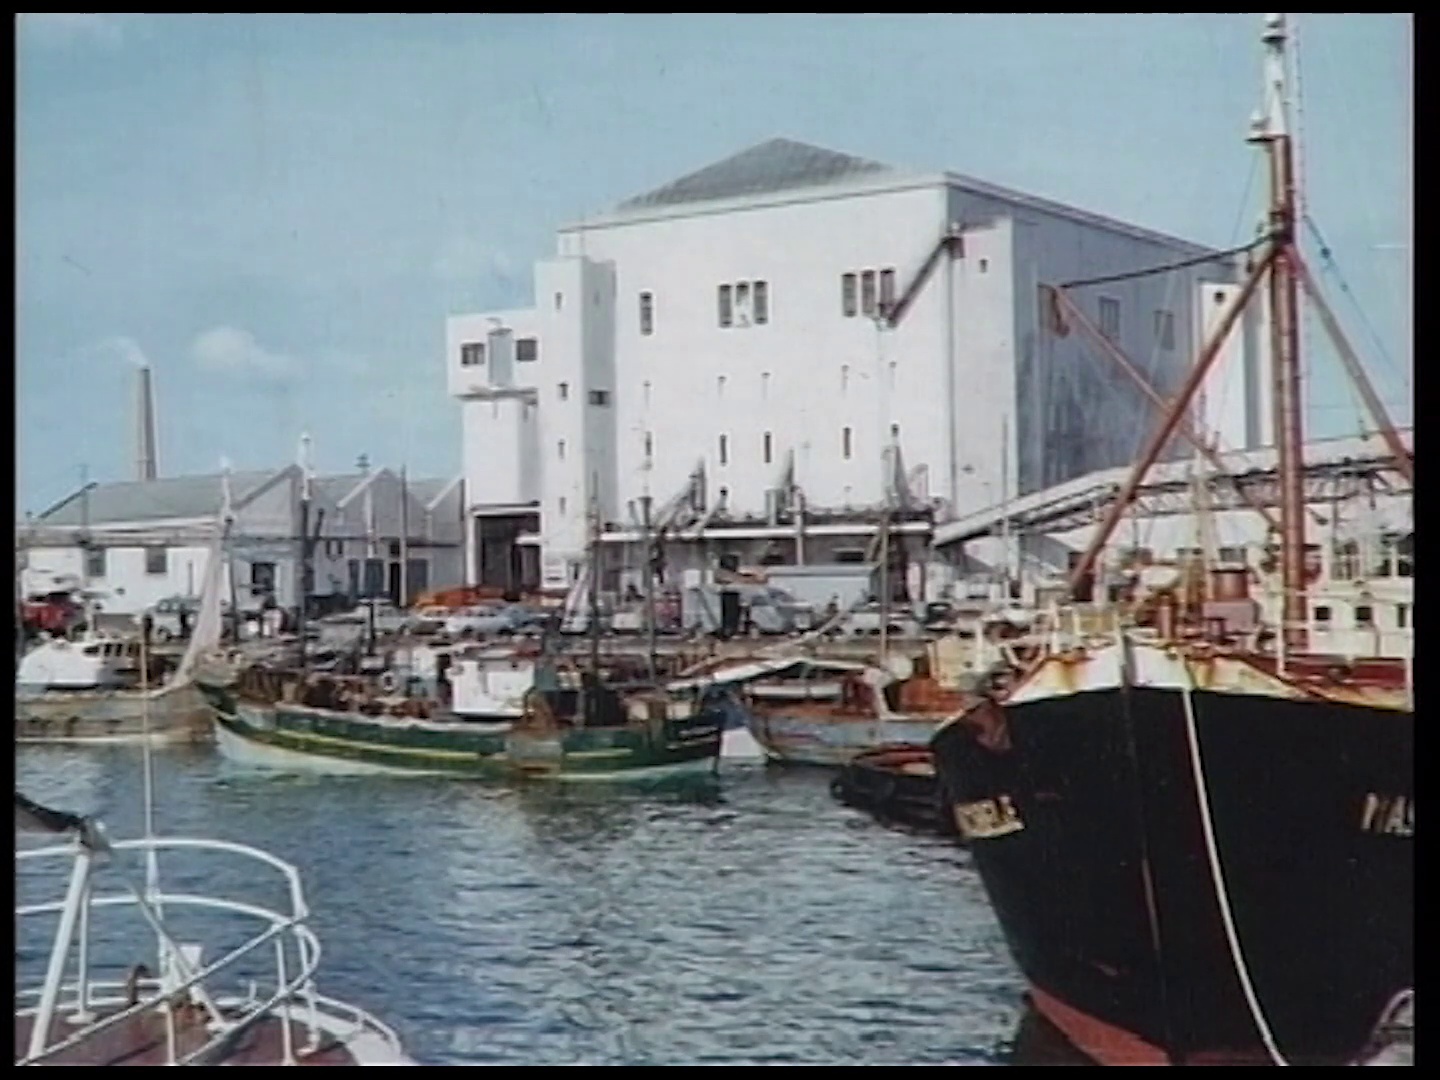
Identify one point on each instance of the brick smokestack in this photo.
(146, 466)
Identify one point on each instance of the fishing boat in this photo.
(1195, 819)
(896, 784)
(87, 689)
(806, 710)
(540, 717)
(251, 1003)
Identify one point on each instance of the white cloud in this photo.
(62, 27)
(229, 351)
(463, 259)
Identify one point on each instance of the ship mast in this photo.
(1271, 128)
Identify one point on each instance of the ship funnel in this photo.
(146, 465)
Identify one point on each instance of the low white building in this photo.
(138, 542)
(780, 345)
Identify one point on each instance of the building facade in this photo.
(139, 542)
(780, 347)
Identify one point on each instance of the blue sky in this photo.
(278, 211)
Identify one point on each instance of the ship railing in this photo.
(293, 1000)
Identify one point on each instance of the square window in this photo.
(527, 350)
(1364, 615)
(472, 354)
(157, 560)
(599, 397)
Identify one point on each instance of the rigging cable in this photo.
(1198, 260)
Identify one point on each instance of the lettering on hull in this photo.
(1388, 815)
(987, 818)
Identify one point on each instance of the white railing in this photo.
(291, 982)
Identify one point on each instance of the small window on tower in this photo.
(1110, 317)
(647, 313)
(768, 446)
(846, 441)
(887, 291)
(724, 450)
(1165, 329)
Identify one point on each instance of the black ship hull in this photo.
(1257, 907)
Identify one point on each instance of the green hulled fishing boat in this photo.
(593, 731)
(596, 723)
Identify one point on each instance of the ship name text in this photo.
(987, 818)
(1388, 815)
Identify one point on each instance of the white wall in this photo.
(804, 376)
(126, 587)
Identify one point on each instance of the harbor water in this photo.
(748, 920)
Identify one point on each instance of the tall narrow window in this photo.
(847, 294)
(560, 449)
(846, 441)
(560, 505)
(649, 447)
(647, 313)
(887, 291)
(742, 302)
(727, 310)
(1165, 329)
(645, 391)
(764, 384)
(867, 292)
(1110, 317)
(719, 386)
(762, 303)
(156, 560)
(767, 443)
(724, 450)
(564, 390)
(95, 562)
(844, 377)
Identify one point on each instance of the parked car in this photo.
(484, 620)
(866, 620)
(173, 618)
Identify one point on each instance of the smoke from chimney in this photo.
(146, 466)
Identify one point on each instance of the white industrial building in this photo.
(138, 542)
(781, 345)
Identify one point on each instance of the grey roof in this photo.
(775, 165)
(428, 490)
(178, 497)
(335, 488)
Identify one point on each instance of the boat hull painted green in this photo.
(298, 737)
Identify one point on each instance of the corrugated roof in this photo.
(774, 165)
(177, 497)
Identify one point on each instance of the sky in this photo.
(278, 212)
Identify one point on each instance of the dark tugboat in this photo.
(1197, 828)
